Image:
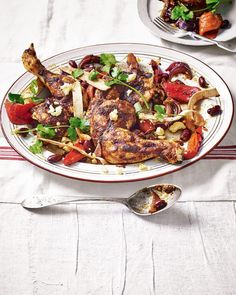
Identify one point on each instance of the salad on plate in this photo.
(109, 111)
(200, 16)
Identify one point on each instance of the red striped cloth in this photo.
(221, 152)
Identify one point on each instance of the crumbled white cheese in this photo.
(65, 139)
(160, 131)
(66, 88)
(143, 116)
(55, 112)
(113, 115)
(129, 91)
(131, 77)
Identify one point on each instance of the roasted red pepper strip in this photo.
(73, 156)
(209, 22)
(179, 92)
(194, 144)
(19, 114)
(146, 126)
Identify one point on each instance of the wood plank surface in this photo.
(79, 249)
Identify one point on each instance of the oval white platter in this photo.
(217, 126)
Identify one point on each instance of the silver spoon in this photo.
(147, 201)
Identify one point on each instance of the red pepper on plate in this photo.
(146, 126)
(18, 113)
(179, 92)
(74, 156)
(194, 144)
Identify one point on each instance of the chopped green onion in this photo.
(93, 75)
(77, 73)
(160, 111)
(138, 107)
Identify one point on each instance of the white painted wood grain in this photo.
(199, 182)
(191, 249)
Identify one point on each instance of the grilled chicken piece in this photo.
(58, 85)
(119, 113)
(121, 146)
(116, 91)
(54, 112)
(132, 63)
(143, 82)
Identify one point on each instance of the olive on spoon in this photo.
(147, 201)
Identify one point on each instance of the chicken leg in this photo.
(57, 84)
(121, 146)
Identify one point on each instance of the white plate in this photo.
(149, 9)
(217, 126)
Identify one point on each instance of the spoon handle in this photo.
(41, 201)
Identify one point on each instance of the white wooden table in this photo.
(104, 249)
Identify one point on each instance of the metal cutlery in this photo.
(168, 28)
(147, 201)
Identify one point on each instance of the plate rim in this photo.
(178, 168)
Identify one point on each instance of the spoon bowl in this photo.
(154, 199)
(147, 201)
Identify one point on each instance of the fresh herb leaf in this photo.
(107, 59)
(160, 111)
(84, 125)
(72, 134)
(93, 75)
(45, 131)
(123, 77)
(112, 82)
(37, 147)
(106, 69)
(37, 99)
(77, 73)
(181, 11)
(75, 122)
(15, 98)
(212, 5)
(212, 1)
(34, 88)
(80, 123)
(115, 72)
